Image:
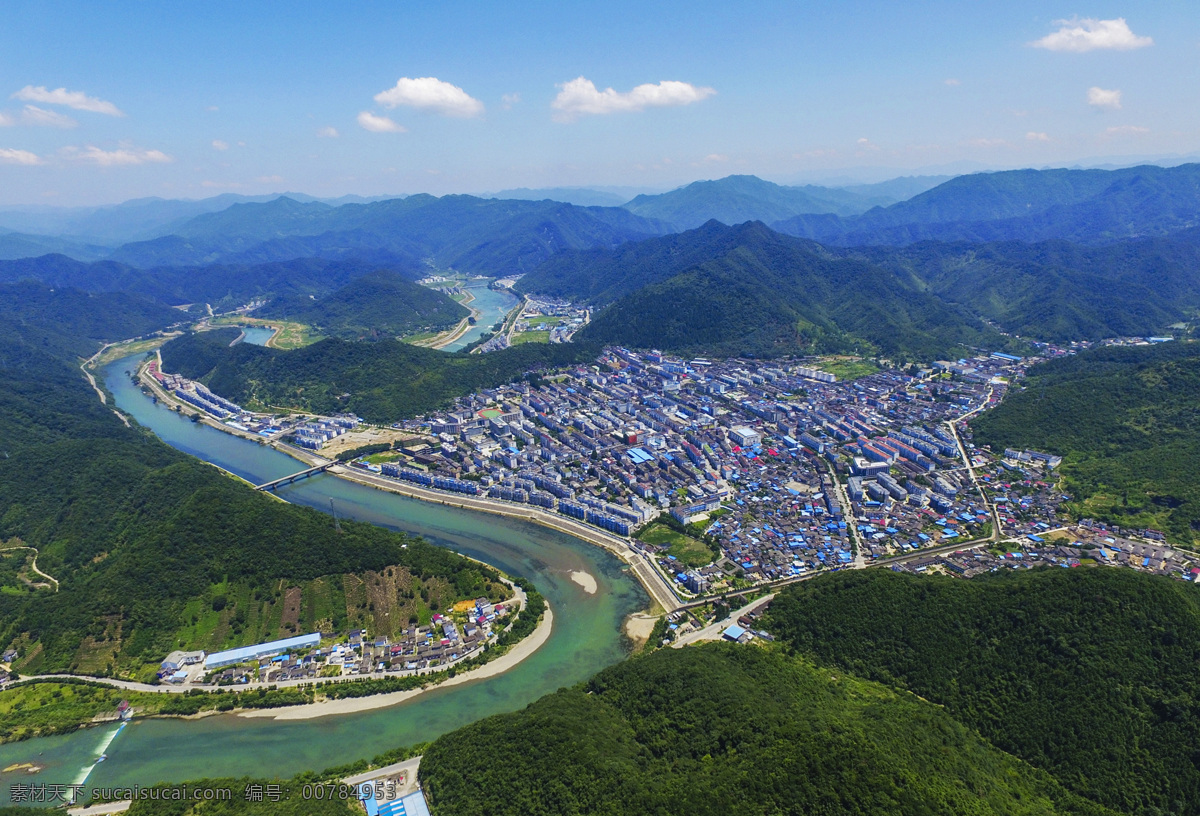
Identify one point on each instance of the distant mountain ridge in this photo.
(1084, 206)
(138, 219)
(486, 236)
(737, 199)
(222, 285)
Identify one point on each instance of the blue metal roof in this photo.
(241, 655)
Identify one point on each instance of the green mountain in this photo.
(381, 382)
(1125, 421)
(600, 276)
(753, 291)
(1086, 206)
(376, 305)
(722, 729)
(1058, 291)
(21, 245)
(737, 199)
(142, 539)
(487, 236)
(579, 196)
(1089, 674)
(34, 312)
(222, 285)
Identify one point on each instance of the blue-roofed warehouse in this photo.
(233, 656)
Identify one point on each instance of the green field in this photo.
(291, 335)
(848, 368)
(686, 549)
(530, 337)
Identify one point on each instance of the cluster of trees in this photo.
(380, 382)
(1089, 674)
(731, 730)
(1126, 421)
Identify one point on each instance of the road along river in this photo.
(586, 635)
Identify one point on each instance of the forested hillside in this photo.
(71, 322)
(1125, 420)
(764, 294)
(375, 306)
(135, 533)
(223, 286)
(381, 382)
(1089, 674)
(722, 729)
(1059, 291)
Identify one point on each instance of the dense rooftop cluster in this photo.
(777, 462)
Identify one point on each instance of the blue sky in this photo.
(190, 99)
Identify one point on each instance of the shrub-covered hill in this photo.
(381, 382)
(1089, 674)
(378, 304)
(721, 729)
(1127, 424)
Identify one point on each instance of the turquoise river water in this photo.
(586, 635)
(493, 305)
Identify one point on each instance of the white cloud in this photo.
(328, 133)
(10, 156)
(6, 120)
(431, 93)
(510, 99)
(379, 124)
(1127, 130)
(1100, 98)
(120, 157)
(984, 142)
(1090, 34)
(269, 179)
(579, 97)
(953, 82)
(71, 99)
(40, 117)
(1034, 136)
(220, 145)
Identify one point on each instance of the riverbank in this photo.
(661, 592)
(353, 705)
(651, 580)
(464, 325)
(92, 701)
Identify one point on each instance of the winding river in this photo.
(586, 635)
(493, 305)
